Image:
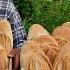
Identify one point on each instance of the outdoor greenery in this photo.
(49, 13)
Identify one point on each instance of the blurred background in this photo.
(49, 13)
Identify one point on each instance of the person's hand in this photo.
(15, 54)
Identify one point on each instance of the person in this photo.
(9, 12)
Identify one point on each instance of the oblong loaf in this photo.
(33, 58)
(47, 43)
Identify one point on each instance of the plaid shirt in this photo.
(9, 12)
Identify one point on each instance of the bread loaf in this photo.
(46, 41)
(33, 58)
(6, 43)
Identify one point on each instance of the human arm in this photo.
(18, 32)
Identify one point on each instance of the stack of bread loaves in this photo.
(43, 51)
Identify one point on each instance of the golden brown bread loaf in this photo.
(6, 43)
(61, 34)
(47, 42)
(62, 61)
(39, 51)
(32, 57)
(3, 58)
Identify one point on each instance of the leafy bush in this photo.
(49, 13)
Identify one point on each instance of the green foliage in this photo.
(23, 7)
(49, 13)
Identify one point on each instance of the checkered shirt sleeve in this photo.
(9, 12)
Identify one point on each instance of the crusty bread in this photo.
(3, 58)
(36, 30)
(61, 34)
(66, 24)
(62, 61)
(32, 57)
(6, 43)
(46, 41)
(5, 27)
